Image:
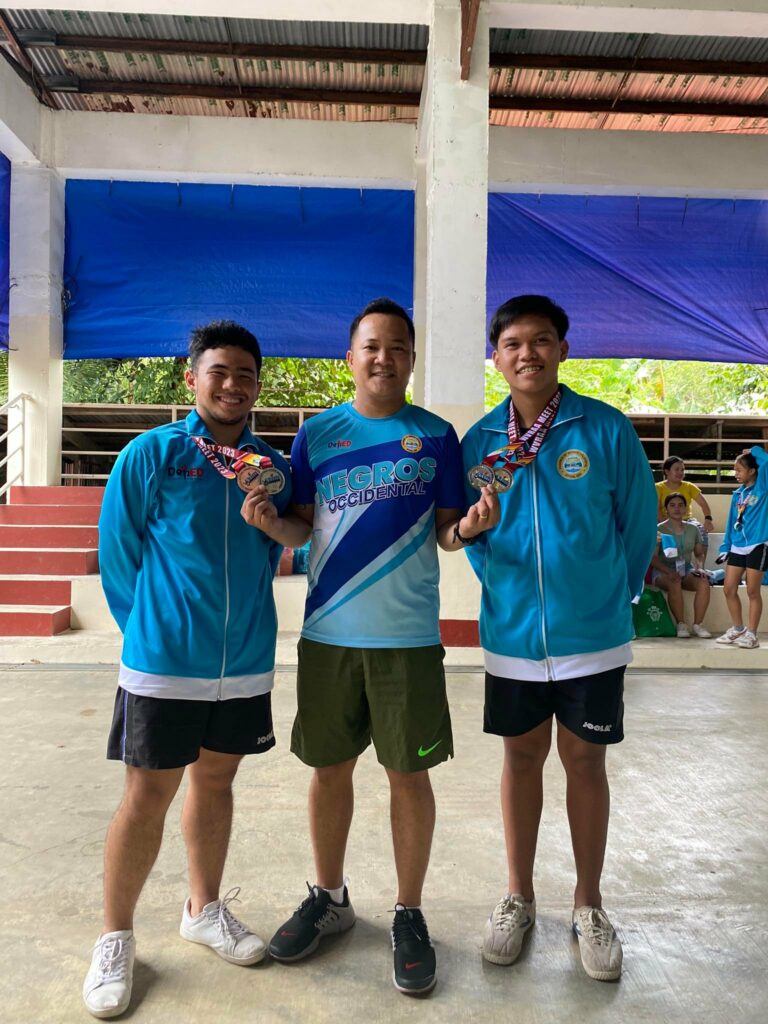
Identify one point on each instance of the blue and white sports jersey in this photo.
(376, 483)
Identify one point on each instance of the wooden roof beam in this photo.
(222, 92)
(469, 12)
(256, 51)
(639, 65)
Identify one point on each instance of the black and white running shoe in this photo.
(315, 918)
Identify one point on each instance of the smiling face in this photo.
(674, 475)
(743, 473)
(226, 385)
(528, 355)
(381, 360)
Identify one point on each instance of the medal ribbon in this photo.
(521, 451)
(240, 457)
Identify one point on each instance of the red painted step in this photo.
(56, 495)
(49, 536)
(50, 515)
(23, 590)
(26, 621)
(48, 562)
(459, 633)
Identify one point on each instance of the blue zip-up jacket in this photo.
(188, 581)
(576, 536)
(754, 524)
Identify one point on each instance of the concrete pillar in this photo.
(35, 365)
(452, 213)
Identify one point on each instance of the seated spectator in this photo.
(673, 483)
(677, 566)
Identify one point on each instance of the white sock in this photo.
(337, 895)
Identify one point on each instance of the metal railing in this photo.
(5, 439)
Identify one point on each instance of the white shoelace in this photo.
(113, 960)
(597, 929)
(511, 913)
(227, 923)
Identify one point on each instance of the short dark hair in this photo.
(747, 459)
(528, 305)
(389, 308)
(675, 494)
(667, 464)
(223, 334)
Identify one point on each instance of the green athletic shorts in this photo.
(349, 696)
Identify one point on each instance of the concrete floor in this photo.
(686, 880)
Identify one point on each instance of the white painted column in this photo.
(451, 219)
(35, 365)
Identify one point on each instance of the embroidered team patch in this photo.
(411, 443)
(573, 464)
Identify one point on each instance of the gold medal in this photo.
(480, 476)
(272, 480)
(248, 477)
(502, 479)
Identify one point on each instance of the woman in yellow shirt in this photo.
(673, 483)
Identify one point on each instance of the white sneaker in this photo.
(216, 926)
(747, 639)
(599, 946)
(107, 985)
(699, 630)
(682, 630)
(730, 635)
(506, 928)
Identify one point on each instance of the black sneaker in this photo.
(316, 917)
(415, 968)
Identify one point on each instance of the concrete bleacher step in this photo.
(49, 515)
(49, 536)
(39, 590)
(21, 495)
(34, 620)
(49, 561)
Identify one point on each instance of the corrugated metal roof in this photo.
(617, 44)
(242, 30)
(575, 85)
(556, 85)
(194, 107)
(223, 71)
(627, 122)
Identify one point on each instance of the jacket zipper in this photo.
(540, 574)
(226, 587)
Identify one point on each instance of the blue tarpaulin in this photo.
(662, 278)
(5, 241)
(146, 262)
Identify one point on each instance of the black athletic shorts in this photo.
(155, 732)
(592, 707)
(757, 558)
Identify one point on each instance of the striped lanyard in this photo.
(741, 507)
(521, 451)
(240, 458)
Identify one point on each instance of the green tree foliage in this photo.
(659, 386)
(632, 385)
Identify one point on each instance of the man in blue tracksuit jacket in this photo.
(190, 585)
(558, 573)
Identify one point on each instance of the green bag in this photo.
(651, 616)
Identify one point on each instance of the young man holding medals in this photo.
(190, 585)
(558, 573)
(378, 484)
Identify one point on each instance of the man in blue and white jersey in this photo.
(379, 484)
(190, 586)
(558, 573)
